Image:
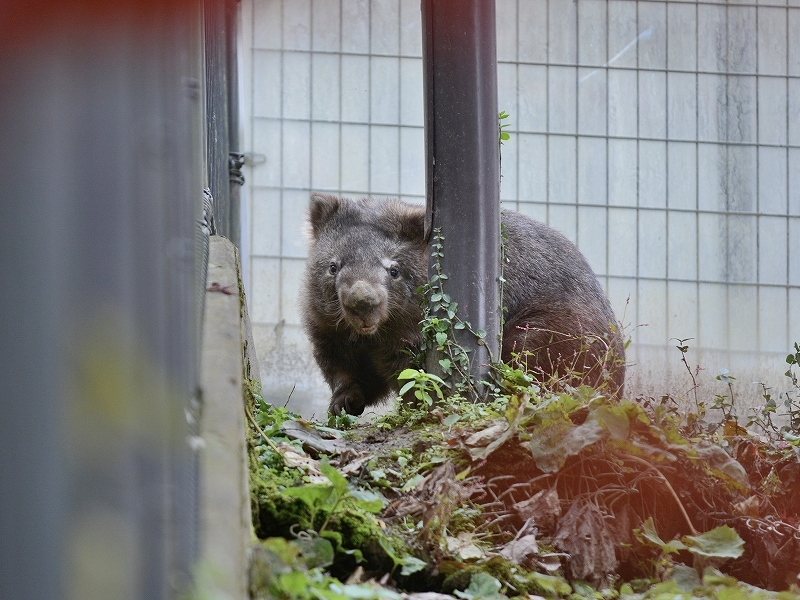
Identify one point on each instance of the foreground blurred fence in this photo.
(103, 159)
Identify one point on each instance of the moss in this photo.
(515, 578)
(276, 514)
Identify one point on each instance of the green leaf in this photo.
(387, 547)
(556, 586)
(735, 593)
(687, 578)
(317, 551)
(409, 374)
(313, 495)
(614, 419)
(334, 537)
(377, 474)
(720, 542)
(411, 565)
(560, 439)
(482, 586)
(441, 338)
(406, 387)
(364, 592)
(665, 589)
(451, 420)
(713, 577)
(649, 533)
(412, 483)
(338, 480)
(294, 583)
(435, 378)
(367, 500)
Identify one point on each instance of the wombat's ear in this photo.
(411, 220)
(322, 207)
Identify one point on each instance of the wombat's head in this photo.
(366, 260)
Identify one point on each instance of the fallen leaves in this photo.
(553, 489)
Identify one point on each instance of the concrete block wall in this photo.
(661, 137)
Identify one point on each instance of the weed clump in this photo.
(546, 490)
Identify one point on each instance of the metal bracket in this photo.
(235, 164)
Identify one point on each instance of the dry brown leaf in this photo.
(299, 460)
(312, 439)
(543, 507)
(584, 535)
(436, 493)
(522, 551)
(748, 507)
(463, 547)
(353, 464)
(488, 435)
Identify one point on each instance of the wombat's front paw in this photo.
(347, 398)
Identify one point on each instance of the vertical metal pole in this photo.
(462, 162)
(235, 156)
(214, 16)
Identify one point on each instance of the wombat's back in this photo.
(557, 315)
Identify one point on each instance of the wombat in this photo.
(361, 310)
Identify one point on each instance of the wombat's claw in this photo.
(352, 404)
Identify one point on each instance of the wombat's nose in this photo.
(361, 299)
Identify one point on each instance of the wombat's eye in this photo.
(394, 272)
(332, 269)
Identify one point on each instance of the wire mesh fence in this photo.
(662, 137)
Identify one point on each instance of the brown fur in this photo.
(361, 311)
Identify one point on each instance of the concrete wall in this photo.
(662, 137)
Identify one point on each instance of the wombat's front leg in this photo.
(347, 396)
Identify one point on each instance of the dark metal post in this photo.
(236, 157)
(463, 161)
(214, 16)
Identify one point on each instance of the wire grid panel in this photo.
(663, 138)
(333, 89)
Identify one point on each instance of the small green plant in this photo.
(342, 421)
(762, 416)
(504, 135)
(409, 564)
(423, 384)
(482, 586)
(712, 547)
(723, 402)
(329, 497)
(793, 404)
(440, 321)
(294, 570)
(683, 348)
